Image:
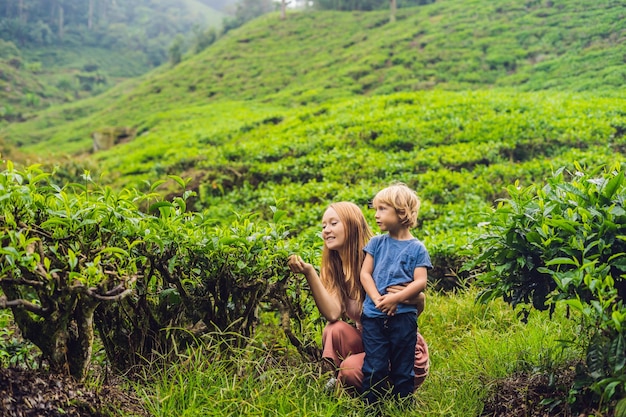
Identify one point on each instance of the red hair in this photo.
(340, 278)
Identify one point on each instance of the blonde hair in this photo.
(403, 199)
(358, 233)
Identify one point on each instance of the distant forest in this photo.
(43, 22)
(365, 4)
(147, 33)
(142, 25)
(47, 21)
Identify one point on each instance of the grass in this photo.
(14, 350)
(471, 347)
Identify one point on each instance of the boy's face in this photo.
(386, 217)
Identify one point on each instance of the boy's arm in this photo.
(389, 302)
(397, 288)
(367, 280)
(413, 289)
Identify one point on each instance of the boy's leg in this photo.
(376, 362)
(403, 336)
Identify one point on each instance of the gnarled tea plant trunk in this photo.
(63, 331)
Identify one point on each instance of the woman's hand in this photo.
(418, 300)
(329, 305)
(297, 265)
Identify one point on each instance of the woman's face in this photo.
(333, 230)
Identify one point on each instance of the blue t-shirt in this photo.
(394, 263)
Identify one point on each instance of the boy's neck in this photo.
(402, 233)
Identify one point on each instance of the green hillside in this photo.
(40, 79)
(308, 108)
(319, 56)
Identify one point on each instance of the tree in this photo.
(247, 10)
(203, 38)
(21, 11)
(59, 260)
(90, 14)
(81, 256)
(176, 50)
(61, 17)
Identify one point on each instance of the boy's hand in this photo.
(387, 304)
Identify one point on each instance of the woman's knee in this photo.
(334, 330)
(422, 361)
(350, 373)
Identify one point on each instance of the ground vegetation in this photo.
(505, 116)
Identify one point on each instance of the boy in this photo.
(389, 324)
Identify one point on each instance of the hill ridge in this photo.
(322, 56)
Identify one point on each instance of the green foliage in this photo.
(89, 81)
(203, 39)
(73, 21)
(327, 109)
(64, 251)
(124, 40)
(67, 251)
(364, 4)
(31, 100)
(246, 10)
(204, 382)
(8, 50)
(206, 277)
(564, 242)
(14, 350)
(459, 151)
(270, 60)
(34, 67)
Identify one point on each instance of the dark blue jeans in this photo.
(389, 344)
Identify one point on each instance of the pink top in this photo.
(353, 311)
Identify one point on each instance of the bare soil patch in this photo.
(537, 395)
(30, 393)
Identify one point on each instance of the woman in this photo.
(339, 296)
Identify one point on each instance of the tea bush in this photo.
(564, 242)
